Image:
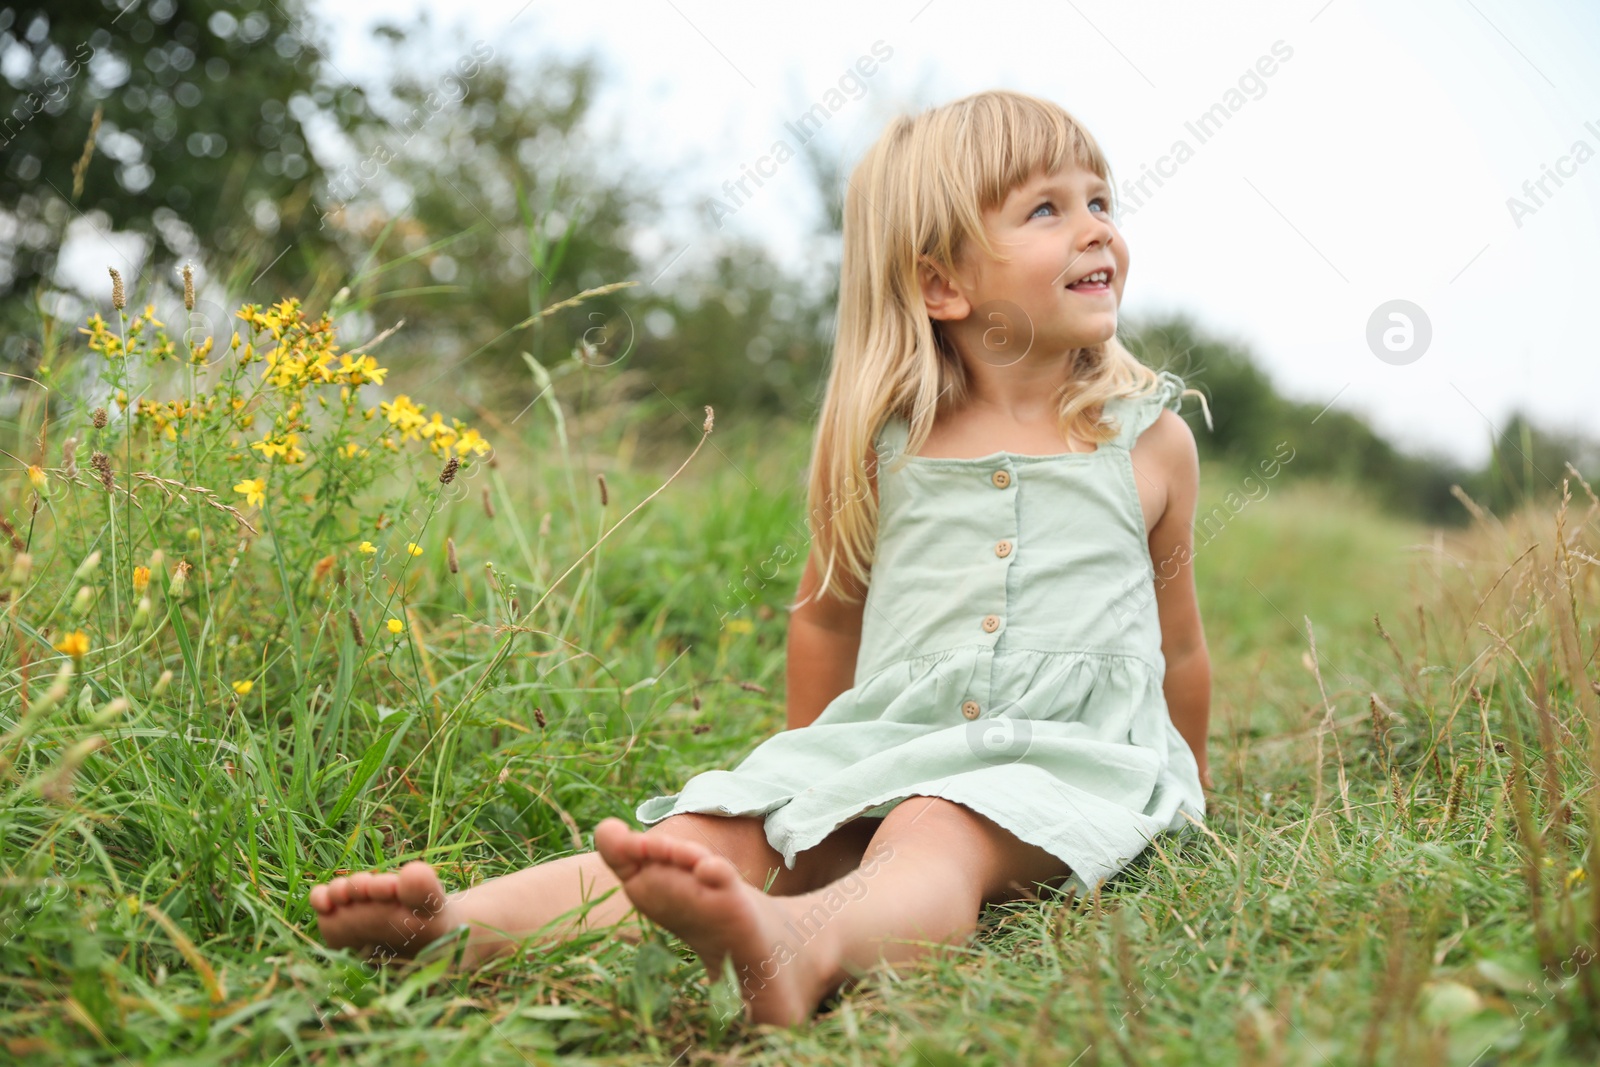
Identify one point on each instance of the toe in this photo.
(418, 886)
(320, 900)
(677, 851)
(618, 845)
(715, 872)
(360, 887)
(339, 890)
(383, 887)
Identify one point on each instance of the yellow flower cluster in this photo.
(110, 345)
(162, 415)
(406, 414)
(301, 353)
(284, 445)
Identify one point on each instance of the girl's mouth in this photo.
(1093, 283)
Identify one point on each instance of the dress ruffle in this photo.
(1079, 744)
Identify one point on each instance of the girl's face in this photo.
(1057, 231)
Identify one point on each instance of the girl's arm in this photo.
(824, 639)
(1170, 445)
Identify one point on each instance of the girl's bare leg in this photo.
(395, 915)
(923, 880)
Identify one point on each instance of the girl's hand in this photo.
(1205, 778)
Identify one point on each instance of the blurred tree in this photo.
(1525, 461)
(498, 202)
(201, 142)
(1251, 418)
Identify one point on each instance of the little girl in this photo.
(987, 689)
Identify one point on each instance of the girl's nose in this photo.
(1099, 231)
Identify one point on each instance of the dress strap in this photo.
(1137, 414)
(891, 440)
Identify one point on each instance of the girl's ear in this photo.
(942, 299)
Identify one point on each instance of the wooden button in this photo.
(970, 709)
(1003, 549)
(991, 623)
(1001, 479)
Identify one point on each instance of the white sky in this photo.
(1375, 166)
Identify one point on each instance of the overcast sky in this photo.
(1375, 163)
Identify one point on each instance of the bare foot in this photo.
(700, 896)
(392, 915)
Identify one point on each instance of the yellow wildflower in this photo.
(243, 686)
(366, 548)
(411, 547)
(254, 490)
(285, 447)
(471, 441)
(141, 578)
(402, 412)
(36, 475)
(396, 626)
(75, 644)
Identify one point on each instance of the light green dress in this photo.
(1010, 661)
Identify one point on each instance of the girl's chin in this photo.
(1091, 330)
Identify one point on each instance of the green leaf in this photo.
(376, 755)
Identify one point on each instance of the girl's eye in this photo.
(1104, 202)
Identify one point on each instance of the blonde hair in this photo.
(918, 195)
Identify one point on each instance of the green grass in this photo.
(154, 887)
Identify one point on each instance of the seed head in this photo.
(355, 630)
(448, 475)
(488, 505)
(69, 457)
(1397, 794)
(102, 464)
(119, 297)
(604, 499)
(100, 418)
(1452, 802)
(188, 287)
(538, 716)
(709, 416)
(450, 555)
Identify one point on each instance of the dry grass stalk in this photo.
(177, 489)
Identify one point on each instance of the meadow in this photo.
(266, 618)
